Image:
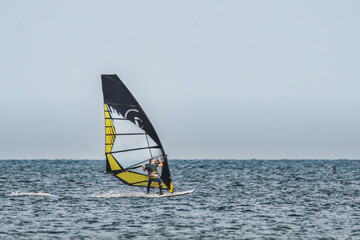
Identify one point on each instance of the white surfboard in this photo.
(176, 193)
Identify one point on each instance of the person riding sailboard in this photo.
(130, 138)
(131, 141)
(153, 174)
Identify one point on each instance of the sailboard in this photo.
(130, 138)
(176, 193)
(141, 195)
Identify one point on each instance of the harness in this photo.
(153, 175)
(152, 171)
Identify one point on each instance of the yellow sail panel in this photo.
(109, 139)
(109, 127)
(109, 131)
(131, 177)
(107, 114)
(138, 179)
(108, 144)
(171, 187)
(108, 148)
(113, 164)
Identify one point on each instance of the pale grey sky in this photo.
(218, 79)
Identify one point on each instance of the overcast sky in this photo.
(218, 79)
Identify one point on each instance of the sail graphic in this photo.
(130, 138)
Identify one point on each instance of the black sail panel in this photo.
(120, 98)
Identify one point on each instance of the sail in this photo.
(130, 138)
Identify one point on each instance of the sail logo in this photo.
(133, 113)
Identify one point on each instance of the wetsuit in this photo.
(153, 176)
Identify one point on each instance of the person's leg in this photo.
(160, 185)
(148, 186)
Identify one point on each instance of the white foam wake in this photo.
(113, 194)
(17, 194)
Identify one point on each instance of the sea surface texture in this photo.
(252, 199)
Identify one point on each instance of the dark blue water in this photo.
(234, 200)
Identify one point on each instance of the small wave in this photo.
(18, 194)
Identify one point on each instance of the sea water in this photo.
(234, 199)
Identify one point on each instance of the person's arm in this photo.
(143, 167)
(160, 163)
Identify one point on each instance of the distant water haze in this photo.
(229, 80)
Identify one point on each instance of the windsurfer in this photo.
(153, 174)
